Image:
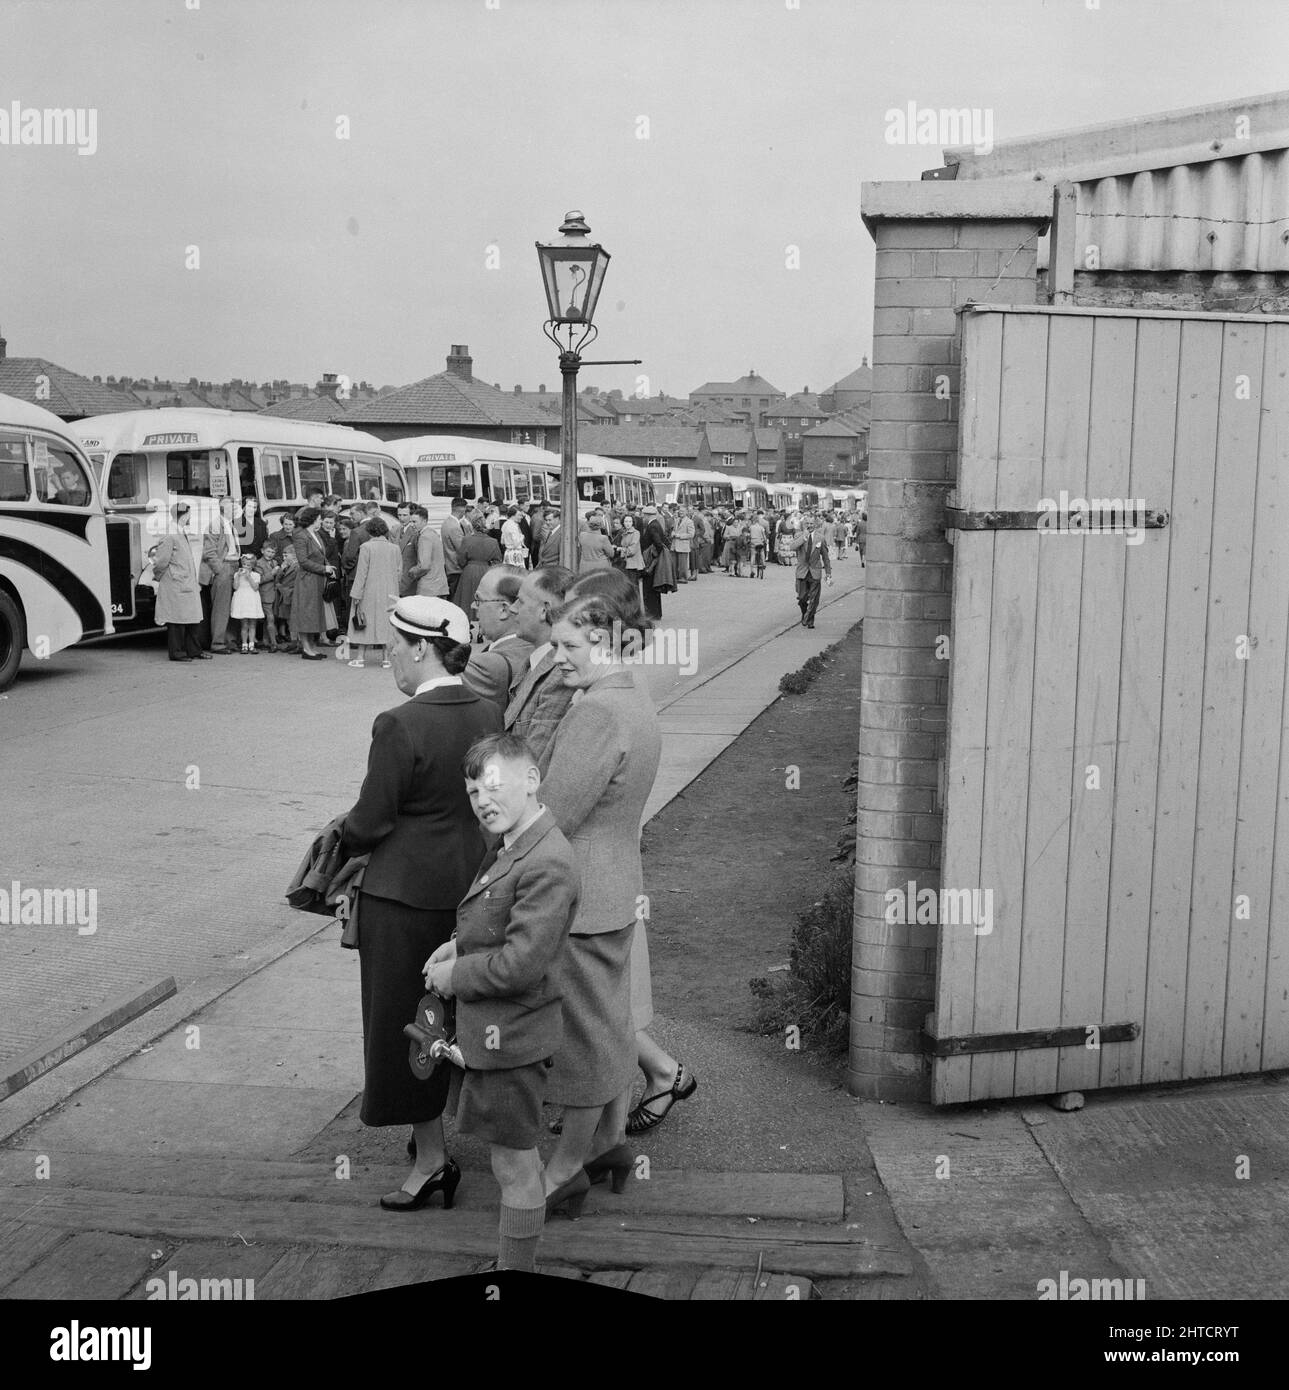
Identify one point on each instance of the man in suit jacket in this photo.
(811, 552)
(407, 543)
(548, 549)
(358, 537)
(219, 556)
(452, 534)
(429, 574)
(540, 699)
(503, 966)
(501, 659)
(655, 534)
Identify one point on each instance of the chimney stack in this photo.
(328, 386)
(460, 363)
(542, 388)
(518, 390)
(4, 349)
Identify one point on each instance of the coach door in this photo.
(1117, 775)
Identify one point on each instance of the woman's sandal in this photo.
(642, 1119)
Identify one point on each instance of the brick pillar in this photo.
(939, 245)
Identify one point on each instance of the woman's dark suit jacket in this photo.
(413, 814)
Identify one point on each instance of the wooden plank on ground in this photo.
(405, 1268)
(781, 1288)
(777, 1196)
(593, 1242)
(723, 1286)
(611, 1278)
(674, 1283)
(227, 1270)
(92, 1264)
(23, 1245)
(315, 1274)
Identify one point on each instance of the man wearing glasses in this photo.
(501, 657)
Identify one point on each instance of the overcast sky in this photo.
(476, 124)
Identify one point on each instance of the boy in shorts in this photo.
(502, 965)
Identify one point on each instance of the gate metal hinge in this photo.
(967, 1043)
(1095, 520)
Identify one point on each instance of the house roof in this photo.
(447, 399)
(768, 438)
(861, 379)
(322, 408)
(729, 439)
(749, 385)
(641, 441)
(59, 390)
(833, 429)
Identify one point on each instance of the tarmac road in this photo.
(184, 798)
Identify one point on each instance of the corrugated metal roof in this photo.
(1226, 214)
(1203, 189)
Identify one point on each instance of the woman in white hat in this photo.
(414, 818)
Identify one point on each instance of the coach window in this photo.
(275, 489)
(15, 484)
(368, 479)
(188, 470)
(313, 474)
(452, 482)
(246, 471)
(393, 484)
(69, 485)
(342, 479)
(127, 480)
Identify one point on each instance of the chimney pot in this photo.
(542, 388)
(460, 363)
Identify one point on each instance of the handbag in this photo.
(650, 558)
(357, 621)
(331, 590)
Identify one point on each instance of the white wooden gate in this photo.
(1117, 770)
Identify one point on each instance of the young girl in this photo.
(246, 603)
(267, 569)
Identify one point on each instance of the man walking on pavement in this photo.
(811, 552)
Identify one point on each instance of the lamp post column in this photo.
(569, 557)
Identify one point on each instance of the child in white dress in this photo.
(246, 603)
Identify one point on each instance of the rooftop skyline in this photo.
(363, 185)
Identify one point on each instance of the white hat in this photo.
(419, 615)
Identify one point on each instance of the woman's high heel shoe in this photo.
(618, 1161)
(570, 1195)
(445, 1180)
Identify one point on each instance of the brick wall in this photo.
(974, 246)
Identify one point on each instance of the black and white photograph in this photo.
(582, 927)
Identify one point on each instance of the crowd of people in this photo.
(325, 579)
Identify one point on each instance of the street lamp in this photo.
(572, 272)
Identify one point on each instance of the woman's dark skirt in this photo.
(394, 944)
(502, 1106)
(596, 1060)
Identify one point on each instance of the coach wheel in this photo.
(13, 638)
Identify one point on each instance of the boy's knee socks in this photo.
(519, 1229)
